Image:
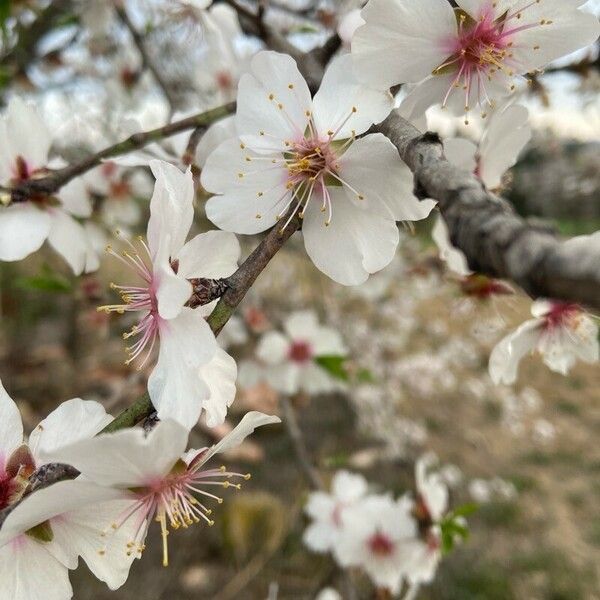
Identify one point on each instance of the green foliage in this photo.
(336, 367)
(46, 281)
(454, 527)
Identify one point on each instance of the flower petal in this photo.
(11, 427)
(219, 375)
(23, 229)
(69, 239)
(212, 254)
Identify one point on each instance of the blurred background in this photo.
(416, 376)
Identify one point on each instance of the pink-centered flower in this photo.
(297, 155)
(157, 477)
(467, 57)
(191, 374)
(26, 225)
(381, 537)
(327, 510)
(45, 534)
(561, 332)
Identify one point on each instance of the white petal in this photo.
(29, 572)
(68, 238)
(285, 377)
(343, 105)
(23, 229)
(261, 93)
(302, 324)
(349, 487)
(79, 533)
(402, 41)
(212, 254)
(273, 348)
(171, 207)
(452, 256)
(11, 427)
(175, 385)
(356, 243)
(29, 137)
(72, 421)
(51, 502)
(127, 458)
(374, 169)
(216, 134)
(75, 199)
(220, 375)
(320, 536)
(505, 357)
(246, 427)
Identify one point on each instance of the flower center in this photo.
(137, 298)
(300, 352)
(8, 488)
(381, 545)
(483, 50)
(173, 501)
(562, 314)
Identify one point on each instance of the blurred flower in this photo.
(26, 225)
(560, 332)
(326, 510)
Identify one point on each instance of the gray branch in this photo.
(495, 240)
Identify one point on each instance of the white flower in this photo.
(454, 258)
(159, 481)
(430, 507)
(26, 225)
(179, 384)
(328, 594)
(63, 511)
(300, 155)
(290, 356)
(380, 537)
(560, 332)
(466, 57)
(507, 133)
(326, 510)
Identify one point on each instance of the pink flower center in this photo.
(138, 298)
(562, 314)
(483, 50)
(8, 487)
(174, 502)
(300, 352)
(381, 545)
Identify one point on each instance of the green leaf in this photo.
(46, 281)
(4, 12)
(334, 365)
(465, 510)
(365, 376)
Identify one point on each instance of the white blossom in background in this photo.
(328, 594)
(157, 477)
(25, 226)
(454, 258)
(34, 563)
(381, 538)
(507, 133)
(327, 510)
(430, 507)
(560, 332)
(290, 355)
(348, 25)
(180, 386)
(119, 189)
(300, 155)
(466, 58)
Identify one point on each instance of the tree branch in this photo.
(495, 240)
(54, 180)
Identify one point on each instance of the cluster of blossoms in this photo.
(127, 479)
(289, 159)
(392, 540)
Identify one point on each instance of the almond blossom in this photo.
(381, 538)
(561, 332)
(50, 529)
(157, 477)
(327, 510)
(187, 377)
(466, 57)
(507, 133)
(297, 155)
(290, 357)
(430, 507)
(26, 225)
